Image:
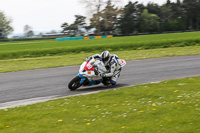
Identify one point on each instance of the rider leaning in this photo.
(111, 64)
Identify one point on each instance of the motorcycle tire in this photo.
(106, 81)
(74, 83)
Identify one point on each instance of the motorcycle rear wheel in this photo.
(74, 83)
(106, 81)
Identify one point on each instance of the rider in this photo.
(111, 64)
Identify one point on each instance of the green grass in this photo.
(12, 50)
(76, 59)
(168, 107)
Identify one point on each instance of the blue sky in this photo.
(47, 15)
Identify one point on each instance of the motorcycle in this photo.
(89, 74)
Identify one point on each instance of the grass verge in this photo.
(169, 106)
(76, 59)
(27, 49)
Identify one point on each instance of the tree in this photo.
(65, 28)
(128, 21)
(192, 11)
(172, 16)
(75, 28)
(95, 7)
(80, 21)
(148, 22)
(166, 13)
(5, 28)
(198, 15)
(175, 24)
(109, 17)
(28, 32)
(153, 8)
(95, 22)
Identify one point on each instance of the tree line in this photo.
(136, 17)
(107, 18)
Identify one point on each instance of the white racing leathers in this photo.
(114, 69)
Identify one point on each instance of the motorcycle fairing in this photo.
(82, 78)
(92, 81)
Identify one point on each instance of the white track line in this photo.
(25, 102)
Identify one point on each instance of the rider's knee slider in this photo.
(112, 82)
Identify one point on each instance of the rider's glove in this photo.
(101, 74)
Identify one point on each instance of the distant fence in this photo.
(82, 38)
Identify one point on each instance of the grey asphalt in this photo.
(16, 86)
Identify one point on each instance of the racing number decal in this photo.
(89, 66)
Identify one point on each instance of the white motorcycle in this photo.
(88, 74)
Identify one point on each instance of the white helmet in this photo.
(105, 56)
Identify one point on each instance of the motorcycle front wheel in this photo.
(74, 83)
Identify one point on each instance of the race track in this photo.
(18, 88)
